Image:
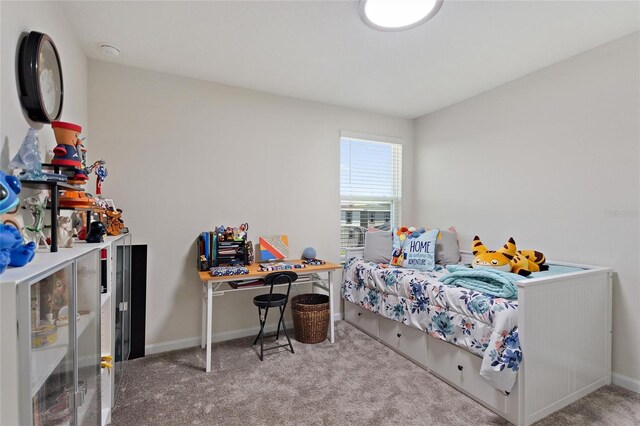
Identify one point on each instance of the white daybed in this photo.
(564, 326)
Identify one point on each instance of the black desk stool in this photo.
(272, 300)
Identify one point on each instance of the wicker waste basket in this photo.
(310, 313)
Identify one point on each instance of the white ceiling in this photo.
(321, 51)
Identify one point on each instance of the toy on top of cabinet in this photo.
(65, 232)
(10, 187)
(28, 157)
(36, 208)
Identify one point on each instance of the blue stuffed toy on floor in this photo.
(12, 250)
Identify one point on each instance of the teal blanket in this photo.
(489, 281)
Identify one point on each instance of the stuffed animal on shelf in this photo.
(507, 258)
(10, 187)
(65, 232)
(12, 250)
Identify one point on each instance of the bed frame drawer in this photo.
(361, 318)
(462, 369)
(409, 341)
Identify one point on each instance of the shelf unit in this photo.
(45, 360)
(35, 379)
(235, 252)
(55, 188)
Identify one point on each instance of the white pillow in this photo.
(377, 246)
(447, 249)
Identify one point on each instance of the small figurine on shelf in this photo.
(28, 157)
(66, 153)
(242, 232)
(77, 222)
(101, 174)
(114, 221)
(36, 208)
(96, 231)
(65, 232)
(58, 297)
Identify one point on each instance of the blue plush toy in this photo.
(9, 189)
(12, 251)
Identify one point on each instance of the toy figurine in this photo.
(96, 231)
(242, 232)
(101, 174)
(77, 222)
(28, 157)
(36, 208)
(66, 153)
(65, 232)
(58, 297)
(114, 223)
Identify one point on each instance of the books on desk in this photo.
(212, 251)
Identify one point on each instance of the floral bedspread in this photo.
(482, 324)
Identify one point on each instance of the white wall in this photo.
(16, 19)
(186, 155)
(551, 159)
(19, 18)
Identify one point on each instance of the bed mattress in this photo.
(481, 324)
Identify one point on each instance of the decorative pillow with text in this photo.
(414, 249)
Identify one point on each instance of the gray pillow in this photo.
(447, 250)
(378, 246)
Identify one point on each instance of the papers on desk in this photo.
(243, 284)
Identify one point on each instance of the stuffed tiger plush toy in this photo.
(507, 258)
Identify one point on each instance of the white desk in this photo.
(218, 286)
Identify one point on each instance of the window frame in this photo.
(395, 201)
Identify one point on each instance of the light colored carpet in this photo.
(357, 380)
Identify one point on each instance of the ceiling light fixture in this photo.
(109, 49)
(397, 15)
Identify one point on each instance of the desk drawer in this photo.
(409, 341)
(361, 318)
(462, 369)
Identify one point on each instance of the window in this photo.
(370, 188)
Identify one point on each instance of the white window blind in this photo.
(370, 188)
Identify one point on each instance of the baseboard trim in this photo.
(156, 348)
(625, 382)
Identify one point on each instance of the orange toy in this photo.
(114, 223)
(76, 199)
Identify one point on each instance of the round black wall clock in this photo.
(40, 78)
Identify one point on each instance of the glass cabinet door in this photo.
(48, 339)
(88, 332)
(122, 284)
(126, 297)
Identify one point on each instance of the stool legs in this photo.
(263, 322)
(261, 326)
(279, 322)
